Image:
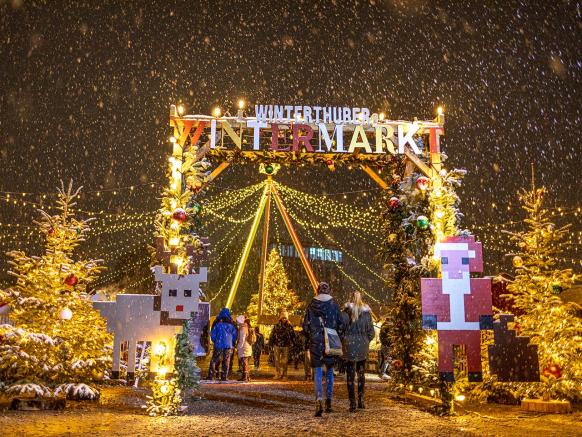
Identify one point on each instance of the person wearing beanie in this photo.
(322, 312)
(282, 338)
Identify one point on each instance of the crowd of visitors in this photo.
(329, 335)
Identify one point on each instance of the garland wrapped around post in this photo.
(177, 224)
(417, 215)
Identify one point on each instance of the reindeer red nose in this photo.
(179, 307)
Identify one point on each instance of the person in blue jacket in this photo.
(223, 334)
(322, 311)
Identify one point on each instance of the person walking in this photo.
(281, 340)
(223, 335)
(322, 312)
(359, 332)
(258, 347)
(244, 346)
(385, 342)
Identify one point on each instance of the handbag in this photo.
(332, 341)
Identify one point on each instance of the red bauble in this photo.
(51, 231)
(397, 364)
(552, 370)
(179, 215)
(394, 202)
(422, 183)
(329, 162)
(71, 280)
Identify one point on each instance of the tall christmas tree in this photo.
(535, 292)
(276, 292)
(57, 341)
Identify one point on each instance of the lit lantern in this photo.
(66, 314)
(179, 215)
(422, 183)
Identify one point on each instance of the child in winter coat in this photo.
(223, 334)
(244, 346)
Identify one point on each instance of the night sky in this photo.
(85, 89)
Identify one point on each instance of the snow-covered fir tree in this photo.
(550, 323)
(58, 342)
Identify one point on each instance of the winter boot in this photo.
(352, 397)
(361, 393)
(328, 405)
(318, 408)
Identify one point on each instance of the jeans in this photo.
(319, 382)
(281, 360)
(220, 358)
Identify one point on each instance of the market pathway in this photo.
(272, 408)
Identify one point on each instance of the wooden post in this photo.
(264, 248)
(295, 239)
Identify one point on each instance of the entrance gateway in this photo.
(291, 134)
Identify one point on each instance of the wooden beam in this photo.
(419, 163)
(295, 239)
(375, 176)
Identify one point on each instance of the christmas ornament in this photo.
(196, 208)
(556, 288)
(51, 231)
(179, 215)
(392, 238)
(397, 364)
(78, 231)
(66, 314)
(517, 261)
(71, 280)
(422, 183)
(552, 370)
(394, 202)
(422, 222)
(269, 169)
(409, 228)
(329, 162)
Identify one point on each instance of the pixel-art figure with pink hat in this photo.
(456, 305)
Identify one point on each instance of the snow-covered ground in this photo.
(271, 408)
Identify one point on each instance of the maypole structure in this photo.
(264, 209)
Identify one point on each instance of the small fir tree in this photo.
(186, 370)
(535, 292)
(276, 292)
(58, 340)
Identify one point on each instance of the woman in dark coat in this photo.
(322, 309)
(359, 332)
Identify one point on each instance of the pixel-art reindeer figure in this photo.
(148, 317)
(457, 306)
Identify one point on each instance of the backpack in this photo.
(251, 336)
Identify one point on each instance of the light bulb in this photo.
(216, 112)
(241, 104)
(440, 110)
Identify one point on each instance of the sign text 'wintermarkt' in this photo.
(314, 129)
